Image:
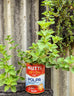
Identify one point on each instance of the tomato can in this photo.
(35, 78)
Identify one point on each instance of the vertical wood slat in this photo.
(35, 18)
(7, 20)
(23, 27)
(1, 22)
(55, 81)
(17, 33)
(1, 26)
(72, 76)
(29, 23)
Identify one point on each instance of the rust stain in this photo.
(8, 1)
(24, 16)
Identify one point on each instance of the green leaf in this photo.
(11, 42)
(14, 83)
(16, 45)
(67, 69)
(22, 78)
(6, 88)
(18, 71)
(13, 88)
(72, 69)
(2, 76)
(11, 48)
(19, 63)
(57, 67)
(12, 72)
(1, 83)
(67, 66)
(48, 65)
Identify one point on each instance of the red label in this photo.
(35, 70)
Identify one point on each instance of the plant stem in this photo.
(20, 71)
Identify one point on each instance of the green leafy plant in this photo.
(48, 49)
(63, 12)
(10, 76)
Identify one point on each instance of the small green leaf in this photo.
(12, 72)
(67, 66)
(16, 45)
(72, 69)
(19, 63)
(6, 88)
(57, 67)
(13, 88)
(11, 42)
(11, 48)
(14, 83)
(22, 78)
(18, 71)
(48, 65)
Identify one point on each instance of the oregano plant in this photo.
(9, 75)
(48, 49)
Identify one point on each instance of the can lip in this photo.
(34, 64)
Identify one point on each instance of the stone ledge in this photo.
(24, 93)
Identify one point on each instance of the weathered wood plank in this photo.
(55, 81)
(7, 20)
(1, 22)
(72, 76)
(29, 23)
(34, 19)
(23, 27)
(1, 26)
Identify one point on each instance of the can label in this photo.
(35, 78)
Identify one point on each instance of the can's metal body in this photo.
(35, 78)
